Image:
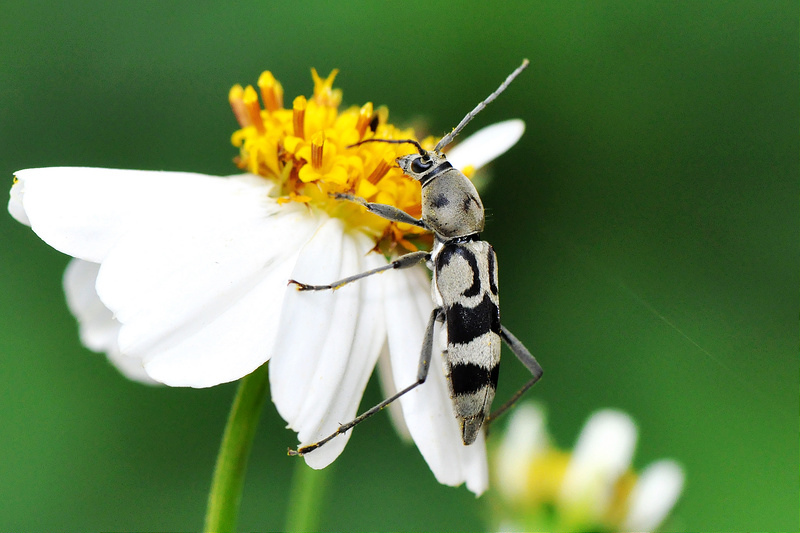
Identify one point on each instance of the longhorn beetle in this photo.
(464, 285)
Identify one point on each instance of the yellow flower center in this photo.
(545, 477)
(307, 150)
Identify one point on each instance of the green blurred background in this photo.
(646, 224)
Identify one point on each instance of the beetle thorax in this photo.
(451, 206)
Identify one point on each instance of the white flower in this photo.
(592, 487)
(601, 456)
(654, 495)
(181, 279)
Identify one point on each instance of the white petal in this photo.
(98, 329)
(524, 441)
(199, 297)
(82, 212)
(15, 202)
(427, 409)
(329, 341)
(654, 495)
(486, 144)
(389, 390)
(602, 454)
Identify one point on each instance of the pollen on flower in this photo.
(308, 151)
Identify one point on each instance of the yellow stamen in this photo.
(364, 118)
(324, 93)
(380, 171)
(317, 145)
(306, 150)
(299, 116)
(250, 99)
(271, 91)
(235, 97)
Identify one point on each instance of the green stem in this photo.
(308, 488)
(229, 473)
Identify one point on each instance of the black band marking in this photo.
(492, 273)
(435, 171)
(469, 378)
(465, 324)
(447, 254)
(472, 237)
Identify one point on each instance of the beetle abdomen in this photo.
(465, 277)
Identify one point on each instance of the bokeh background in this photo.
(646, 224)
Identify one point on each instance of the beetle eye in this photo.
(420, 165)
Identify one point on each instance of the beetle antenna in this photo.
(447, 139)
(420, 149)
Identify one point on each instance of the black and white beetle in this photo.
(464, 285)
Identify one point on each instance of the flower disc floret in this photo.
(308, 151)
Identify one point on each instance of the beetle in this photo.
(464, 285)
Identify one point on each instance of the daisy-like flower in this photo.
(543, 488)
(181, 278)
